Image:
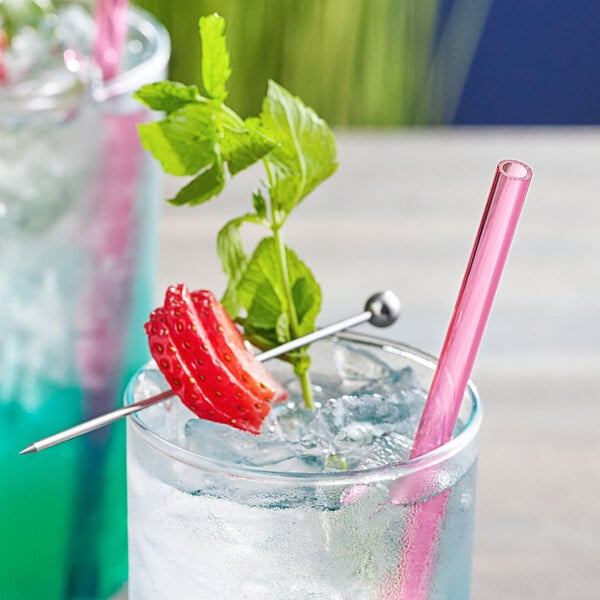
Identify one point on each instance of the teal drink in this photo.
(78, 198)
(317, 505)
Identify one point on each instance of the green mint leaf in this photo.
(272, 294)
(306, 154)
(167, 96)
(202, 188)
(243, 147)
(282, 328)
(260, 204)
(261, 292)
(184, 142)
(307, 305)
(215, 57)
(234, 260)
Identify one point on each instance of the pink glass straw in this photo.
(115, 223)
(111, 31)
(454, 367)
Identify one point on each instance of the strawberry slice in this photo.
(204, 378)
(229, 345)
(173, 367)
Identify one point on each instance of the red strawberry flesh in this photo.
(214, 377)
(175, 371)
(229, 345)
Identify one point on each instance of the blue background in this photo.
(538, 63)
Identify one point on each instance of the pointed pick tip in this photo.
(29, 450)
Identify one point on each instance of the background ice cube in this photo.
(46, 166)
(42, 176)
(49, 69)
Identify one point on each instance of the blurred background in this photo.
(405, 62)
(356, 62)
(426, 96)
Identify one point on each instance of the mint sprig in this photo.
(270, 292)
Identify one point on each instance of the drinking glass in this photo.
(204, 525)
(78, 202)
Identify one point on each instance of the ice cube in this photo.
(224, 443)
(354, 363)
(390, 448)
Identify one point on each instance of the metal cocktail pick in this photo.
(381, 309)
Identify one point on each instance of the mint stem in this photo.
(305, 382)
(307, 391)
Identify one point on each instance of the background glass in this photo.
(78, 198)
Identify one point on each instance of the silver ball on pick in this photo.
(385, 308)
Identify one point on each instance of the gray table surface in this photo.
(401, 213)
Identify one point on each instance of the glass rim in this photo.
(128, 81)
(122, 84)
(395, 470)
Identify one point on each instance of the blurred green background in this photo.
(356, 62)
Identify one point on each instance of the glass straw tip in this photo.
(515, 169)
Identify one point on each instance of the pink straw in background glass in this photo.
(110, 17)
(113, 224)
(113, 227)
(454, 367)
(104, 308)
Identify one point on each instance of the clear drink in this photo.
(318, 505)
(77, 209)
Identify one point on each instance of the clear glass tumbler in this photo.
(78, 202)
(210, 528)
